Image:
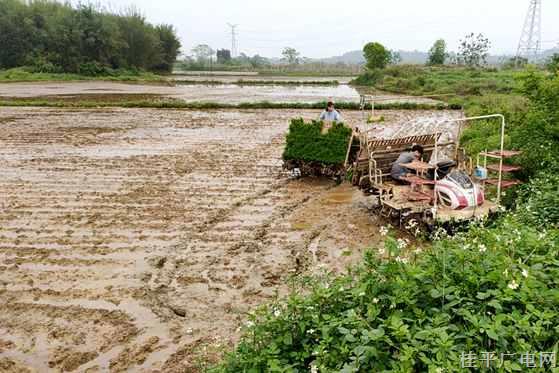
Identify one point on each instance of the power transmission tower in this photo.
(530, 40)
(234, 45)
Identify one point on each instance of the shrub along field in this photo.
(423, 80)
(494, 288)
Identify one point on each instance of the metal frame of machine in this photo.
(370, 166)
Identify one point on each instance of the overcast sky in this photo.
(326, 28)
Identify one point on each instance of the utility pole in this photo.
(234, 46)
(531, 37)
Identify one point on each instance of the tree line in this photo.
(47, 36)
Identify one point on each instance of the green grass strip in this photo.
(179, 104)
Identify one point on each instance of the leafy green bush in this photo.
(540, 201)
(93, 68)
(369, 77)
(485, 134)
(490, 289)
(532, 123)
(553, 63)
(305, 142)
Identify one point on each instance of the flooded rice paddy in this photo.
(221, 93)
(138, 239)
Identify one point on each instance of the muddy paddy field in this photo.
(138, 239)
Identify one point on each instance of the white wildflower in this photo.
(375, 300)
(513, 285)
(382, 251)
(525, 273)
(411, 224)
(277, 312)
(482, 248)
(401, 260)
(402, 244)
(383, 231)
(311, 331)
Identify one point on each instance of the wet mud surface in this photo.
(223, 93)
(138, 239)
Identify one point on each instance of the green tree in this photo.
(50, 36)
(223, 56)
(203, 53)
(437, 53)
(376, 55)
(170, 48)
(290, 55)
(395, 57)
(474, 50)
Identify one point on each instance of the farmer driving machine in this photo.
(435, 190)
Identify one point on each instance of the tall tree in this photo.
(437, 53)
(376, 55)
(290, 55)
(170, 47)
(474, 50)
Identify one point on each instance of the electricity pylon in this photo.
(234, 46)
(531, 37)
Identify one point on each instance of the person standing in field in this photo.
(330, 114)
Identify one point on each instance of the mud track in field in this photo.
(137, 240)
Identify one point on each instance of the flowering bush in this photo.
(489, 289)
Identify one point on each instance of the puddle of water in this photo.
(226, 93)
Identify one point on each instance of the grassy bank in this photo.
(423, 80)
(146, 101)
(23, 75)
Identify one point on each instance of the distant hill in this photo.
(418, 57)
(356, 57)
